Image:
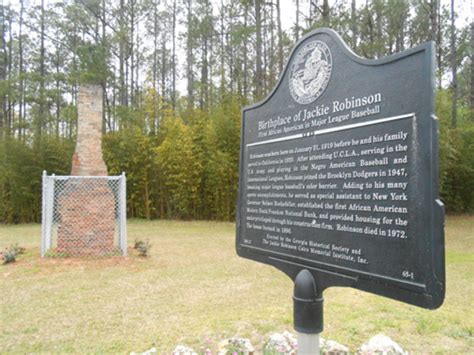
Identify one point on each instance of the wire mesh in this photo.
(83, 216)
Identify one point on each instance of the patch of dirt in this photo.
(51, 265)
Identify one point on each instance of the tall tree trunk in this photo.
(127, 76)
(435, 35)
(439, 39)
(74, 66)
(10, 115)
(114, 99)
(297, 24)
(173, 57)
(234, 63)
(155, 45)
(454, 83)
(155, 67)
(266, 60)
(311, 13)
(222, 53)
(326, 13)
(210, 92)
(401, 32)
(280, 38)
(122, 47)
(105, 102)
(21, 70)
(3, 73)
(204, 74)
(379, 25)
(471, 96)
(42, 108)
(58, 89)
(163, 65)
(433, 5)
(8, 76)
(137, 67)
(354, 24)
(245, 63)
(189, 56)
(272, 49)
(132, 51)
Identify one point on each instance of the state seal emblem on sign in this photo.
(310, 72)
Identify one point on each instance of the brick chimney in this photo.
(87, 206)
(87, 158)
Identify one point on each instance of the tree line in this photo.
(175, 75)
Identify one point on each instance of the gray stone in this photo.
(151, 351)
(183, 350)
(282, 343)
(331, 347)
(381, 345)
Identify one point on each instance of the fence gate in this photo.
(84, 216)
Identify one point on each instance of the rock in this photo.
(151, 351)
(381, 345)
(183, 350)
(286, 343)
(331, 347)
(281, 343)
(240, 346)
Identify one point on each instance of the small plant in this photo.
(142, 246)
(9, 255)
(18, 250)
(137, 243)
(236, 346)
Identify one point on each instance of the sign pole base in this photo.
(307, 313)
(308, 344)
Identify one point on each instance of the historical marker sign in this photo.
(339, 172)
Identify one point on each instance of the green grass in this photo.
(194, 290)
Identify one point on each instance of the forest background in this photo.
(175, 75)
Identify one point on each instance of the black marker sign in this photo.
(339, 172)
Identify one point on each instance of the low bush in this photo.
(9, 255)
(18, 250)
(142, 246)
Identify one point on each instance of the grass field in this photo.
(194, 290)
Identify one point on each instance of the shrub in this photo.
(142, 246)
(137, 243)
(9, 255)
(18, 250)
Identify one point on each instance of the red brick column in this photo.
(87, 206)
(87, 158)
(87, 209)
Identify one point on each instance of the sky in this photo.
(464, 8)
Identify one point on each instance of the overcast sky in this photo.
(464, 8)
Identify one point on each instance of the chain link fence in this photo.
(84, 216)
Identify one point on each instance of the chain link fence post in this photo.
(43, 214)
(123, 214)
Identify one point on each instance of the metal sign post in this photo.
(307, 313)
(308, 344)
